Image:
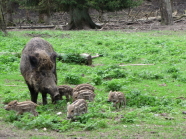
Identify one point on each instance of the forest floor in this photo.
(8, 131)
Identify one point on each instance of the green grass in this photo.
(150, 89)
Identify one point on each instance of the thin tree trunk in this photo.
(48, 14)
(80, 19)
(42, 18)
(2, 20)
(10, 10)
(48, 18)
(10, 19)
(166, 12)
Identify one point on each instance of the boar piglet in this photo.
(65, 90)
(83, 94)
(118, 99)
(77, 108)
(21, 107)
(83, 87)
(38, 67)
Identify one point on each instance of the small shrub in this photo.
(97, 79)
(72, 58)
(145, 74)
(118, 56)
(44, 120)
(129, 117)
(102, 124)
(8, 58)
(181, 79)
(72, 78)
(114, 85)
(11, 117)
(115, 73)
(112, 71)
(90, 126)
(9, 98)
(172, 70)
(136, 98)
(99, 42)
(175, 75)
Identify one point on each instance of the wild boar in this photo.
(21, 107)
(118, 99)
(82, 87)
(77, 108)
(65, 90)
(83, 94)
(38, 67)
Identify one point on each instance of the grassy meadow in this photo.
(155, 91)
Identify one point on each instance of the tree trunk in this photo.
(10, 8)
(41, 17)
(2, 20)
(80, 19)
(166, 12)
(48, 18)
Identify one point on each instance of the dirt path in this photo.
(9, 132)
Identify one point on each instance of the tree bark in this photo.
(10, 13)
(11, 7)
(42, 15)
(2, 20)
(80, 19)
(166, 12)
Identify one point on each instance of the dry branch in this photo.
(15, 85)
(136, 65)
(31, 27)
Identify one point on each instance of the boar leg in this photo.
(67, 98)
(19, 113)
(33, 94)
(35, 113)
(44, 98)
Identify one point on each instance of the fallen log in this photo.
(83, 58)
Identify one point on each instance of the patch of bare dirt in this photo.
(9, 131)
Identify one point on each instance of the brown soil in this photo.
(11, 132)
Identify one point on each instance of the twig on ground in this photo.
(136, 64)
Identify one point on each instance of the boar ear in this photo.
(33, 60)
(53, 57)
(15, 102)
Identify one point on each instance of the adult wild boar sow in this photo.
(38, 67)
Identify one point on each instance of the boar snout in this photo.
(56, 98)
(6, 107)
(69, 116)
